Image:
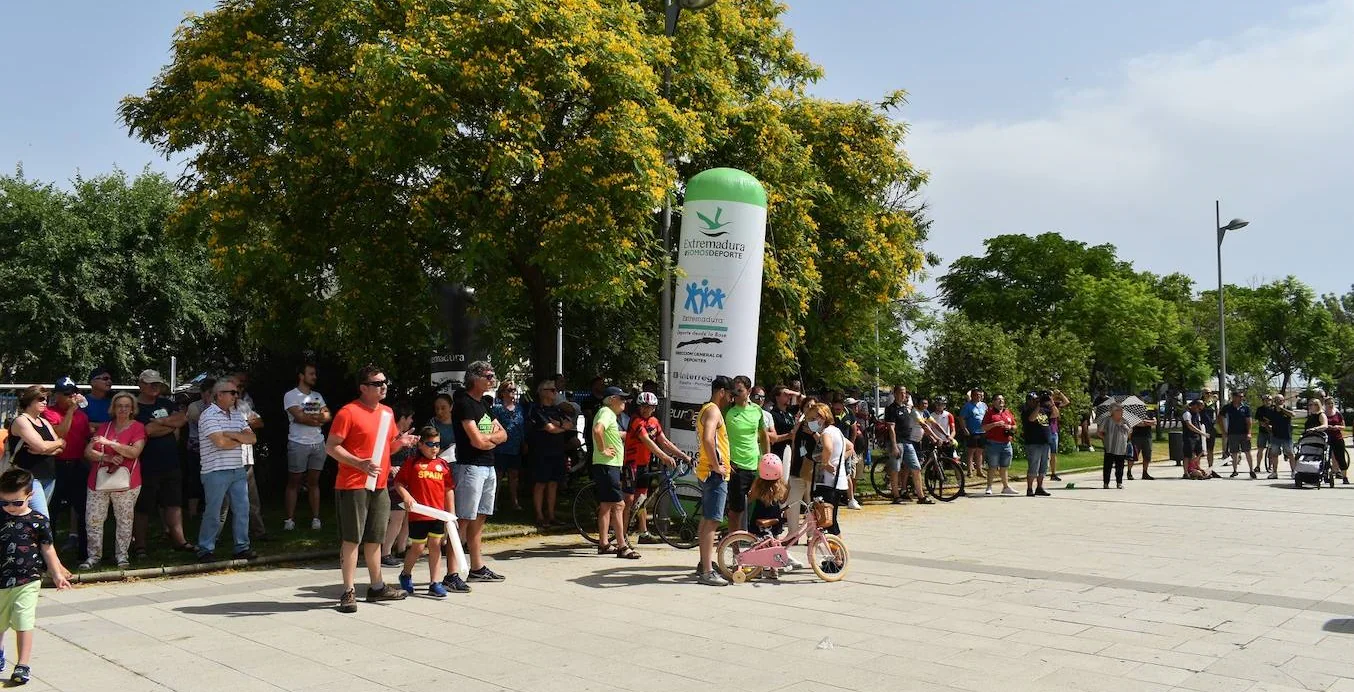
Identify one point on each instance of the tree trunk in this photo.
(543, 326)
(1283, 386)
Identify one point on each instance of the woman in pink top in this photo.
(116, 444)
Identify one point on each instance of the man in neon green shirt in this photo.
(608, 453)
(748, 441)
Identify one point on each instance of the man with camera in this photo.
(1035, 420)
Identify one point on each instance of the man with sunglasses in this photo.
(363, 514)
(100, 395)
(477, 435)
(223, 433)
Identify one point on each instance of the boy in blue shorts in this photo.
(26, 540)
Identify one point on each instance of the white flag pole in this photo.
(461, 564)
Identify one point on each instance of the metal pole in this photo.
(876, 361)
(173, 372)
(559, 337)
(672, 10)
(1222, 324)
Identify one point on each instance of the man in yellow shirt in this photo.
(712, 470)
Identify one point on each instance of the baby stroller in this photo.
(1313, 465)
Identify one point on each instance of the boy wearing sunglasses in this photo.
(427, 480)
(26, 539)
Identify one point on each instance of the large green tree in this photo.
(345, 157)
(93, 279)
(964, 353)
(1291, 330)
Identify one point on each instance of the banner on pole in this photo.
(718, 302)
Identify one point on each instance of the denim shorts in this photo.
(476, 487)
(1038, 459)
(1053, 442)
(714, 495)
(1282, 445)
(998, 455)
(909, 458)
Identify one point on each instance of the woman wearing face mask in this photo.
(831, 481)
(1335, 436)
(803, 446)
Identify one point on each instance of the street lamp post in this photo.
(1233, 225)
(672, 11)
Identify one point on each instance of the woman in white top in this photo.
(1114, 430)
(831, 482)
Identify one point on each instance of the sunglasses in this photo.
(432, 443)
(549, 389)
(231, 392)
(12, 503)
(376, 383)
(41, 399)
(759, 397)
(104, 377)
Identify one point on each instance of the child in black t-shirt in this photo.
(26, 541)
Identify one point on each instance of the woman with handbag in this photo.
(114, 478)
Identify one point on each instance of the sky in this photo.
(1103, 121)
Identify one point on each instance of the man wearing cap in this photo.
(100, 395)
(712, 470)
(644, 442)
(161, 476)
(71, 423)
(608, 456)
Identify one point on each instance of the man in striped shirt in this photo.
(223, 432)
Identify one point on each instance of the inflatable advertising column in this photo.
(718, 299)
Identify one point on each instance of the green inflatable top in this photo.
(726, 184)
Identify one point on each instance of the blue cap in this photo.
(65, 385)
(613, 391)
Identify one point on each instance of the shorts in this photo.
(1237, 443)
(19, 606)
(714, 495)
(740, 484)
(1144, 447)
(1194, 446)
(476, 488)
(421, 530)
(1281, 445)
(606, 483)
(634, 481)
(978, 441)
(1037, 456)
(1053, 443)
(160, 489)
(363, 515)
(998, 455)
(507, 462)
(302, 457)
(549, 469)
(908, 458)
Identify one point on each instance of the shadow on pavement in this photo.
(1340, 625)
(549, 551)
(636, 575)
(250, 608)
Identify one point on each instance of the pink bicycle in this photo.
(742, 556)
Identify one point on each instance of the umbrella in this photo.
(1135, 410)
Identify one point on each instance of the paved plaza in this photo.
(1169, 584)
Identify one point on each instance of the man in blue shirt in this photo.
(971, 429)
(1236, 425)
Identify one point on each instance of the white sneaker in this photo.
(1274, 476)
(795, 563)
(713, 578)
(315, 524)
(853, 504)
(1009, 491)
(987, 492)
(289, 525)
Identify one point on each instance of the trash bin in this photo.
(1176, 445)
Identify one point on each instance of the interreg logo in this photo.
(701, 296)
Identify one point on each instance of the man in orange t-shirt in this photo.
(363, 513)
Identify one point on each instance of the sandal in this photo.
(139, 554)
(606, 549)
(186, 547)
(627, 553)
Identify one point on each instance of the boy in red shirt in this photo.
(426, 479)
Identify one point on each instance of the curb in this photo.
(219, 565)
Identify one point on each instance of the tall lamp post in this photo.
(673, 10)
(1233, 225)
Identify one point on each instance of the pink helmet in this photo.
(770, 468)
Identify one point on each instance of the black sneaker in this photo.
(1055, 478)
(1029, 492)
(454, 583)
(391, 561)
(1041, 492)
(21, 675)
(348, 601)
(385, 593)
(206, 557)
(485, 574)
(245, 554)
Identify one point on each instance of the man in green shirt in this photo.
(748, 441)
(608, 453)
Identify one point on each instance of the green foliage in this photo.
(1292, 330)
(93, 279)
(964, 353)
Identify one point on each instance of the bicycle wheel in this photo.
(829, 557)
(585, 513)
(726, 557)
(879, 477)
(677, 515)
(945, 479)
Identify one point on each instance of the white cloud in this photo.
(1260, 120)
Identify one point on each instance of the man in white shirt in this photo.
(223, 434)
(305, 444)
